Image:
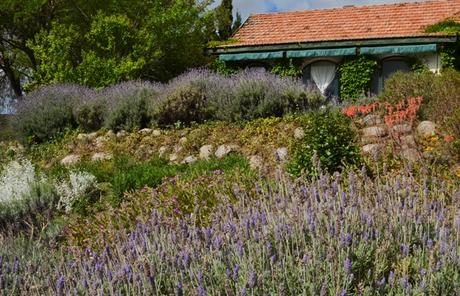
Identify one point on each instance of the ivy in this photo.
(355, 76)
(222, 68)
(289, 70)
(450, 52)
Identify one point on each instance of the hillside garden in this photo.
(242, 184)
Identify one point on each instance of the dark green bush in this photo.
(186, 104)
(329, 139)
(90, 115)
(48, 112)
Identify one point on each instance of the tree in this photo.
(237, 23)
(154, 40)
(224, 18)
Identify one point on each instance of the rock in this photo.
(408, 141)
(426, 129)
(173, 157)
(206, 151)
(110, 134)
(70, 159)
(82, 137)
(372, 140)
(122, 134)
(145, 131)
(403, 128)
(92, 136)
(156, 133)
(375, 131)
(299, 133)
(281, 154)
(256, 162)
(101, 156)
(189, 159)
(372, 119)
(223, 150)
(162, 150)
(177, 149)
(182, 140)
(373, 149)
(100, 141)
(410, 154)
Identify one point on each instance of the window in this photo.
(388, 67)
(323, 75)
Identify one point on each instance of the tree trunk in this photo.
(12, 78)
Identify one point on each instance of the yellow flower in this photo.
(429, 149)
(458, 172)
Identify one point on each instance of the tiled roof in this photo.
(347, 23)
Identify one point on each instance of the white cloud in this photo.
(246, 7)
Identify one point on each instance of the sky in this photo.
(246, 7)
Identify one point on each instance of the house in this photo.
(320, 40)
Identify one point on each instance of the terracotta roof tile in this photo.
(347, 23)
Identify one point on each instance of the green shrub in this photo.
(329, 139)
(6, 130)
(48, 112)
(440, 92)
(90, 115)
(186, 104)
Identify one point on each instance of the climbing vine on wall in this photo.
(356, 76)
(451, 51)
(286, 70)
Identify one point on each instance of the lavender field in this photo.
(338, 235)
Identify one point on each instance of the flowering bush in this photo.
(341, 235)
(47, 112)
(81, 185)
(25, 197)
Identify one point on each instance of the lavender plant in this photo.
(344, 234)
(47, 112)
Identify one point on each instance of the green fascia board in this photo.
(398, 49)
(331, 52)
(251, 56)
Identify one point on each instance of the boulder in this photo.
(156, 133)
(101, 156)
(281, 154)
(223, 150)
(408, 141)
(206, 151)
(373, 149)
(70, 159)
(256, 162)
(82, 137)
(410, 154)
(92, 136)
(173, 157)
(182, 140)
(162, 150)
(403, 128)
(372, 119)
(426, 129)
(110, 134)
(122, 134)
(375, 131)
(189, 159)
(299, 133)
(145, 131)
(100, 141)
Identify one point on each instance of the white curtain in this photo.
(323, 74)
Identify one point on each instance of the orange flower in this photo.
(449, 138)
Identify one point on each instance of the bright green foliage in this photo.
(330, 140)
(153, 40)
(451, 51)
(355, 76)
(286, 70)
(222, 68)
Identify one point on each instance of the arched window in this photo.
(323, 75)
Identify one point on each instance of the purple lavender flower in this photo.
(346, 239)
(201, 291)
(405, 249)
(347, 266)
(252, 280)
(60, 285)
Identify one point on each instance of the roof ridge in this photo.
(419, 2)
